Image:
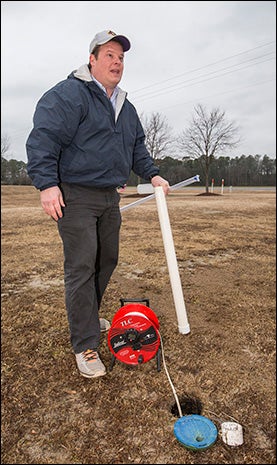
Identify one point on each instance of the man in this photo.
(86, 139)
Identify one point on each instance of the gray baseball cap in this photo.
(105, 36)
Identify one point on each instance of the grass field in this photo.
(226, 252)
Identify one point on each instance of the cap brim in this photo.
(124, 42)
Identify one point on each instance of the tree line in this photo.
(239, 171)
(200, 149)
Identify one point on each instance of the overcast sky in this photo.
(221, 54)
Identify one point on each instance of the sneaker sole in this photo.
(107, 328)
(96, 375)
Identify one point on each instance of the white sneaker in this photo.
(104, 325)
(89, 364)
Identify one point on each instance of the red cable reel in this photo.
(133, 337)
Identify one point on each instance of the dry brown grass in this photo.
(225, 247)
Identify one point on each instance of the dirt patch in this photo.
(225, 248)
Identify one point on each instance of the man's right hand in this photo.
(52, 201)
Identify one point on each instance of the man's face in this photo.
(108, 67)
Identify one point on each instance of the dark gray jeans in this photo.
(89, 230)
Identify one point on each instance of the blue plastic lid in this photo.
(195, 432)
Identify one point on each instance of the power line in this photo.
(197, 81)
(203, 67)
(219, 93)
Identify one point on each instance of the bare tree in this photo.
(5, 146)
(209, 134)
(158, 136)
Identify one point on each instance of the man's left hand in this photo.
(159, 181)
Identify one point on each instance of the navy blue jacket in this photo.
(78, 138)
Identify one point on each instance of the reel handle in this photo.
(124, 301)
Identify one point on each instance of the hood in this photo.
(82, 73)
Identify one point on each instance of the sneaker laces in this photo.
(90, 355)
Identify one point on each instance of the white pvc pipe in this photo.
(186, 182)
(183, 324)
